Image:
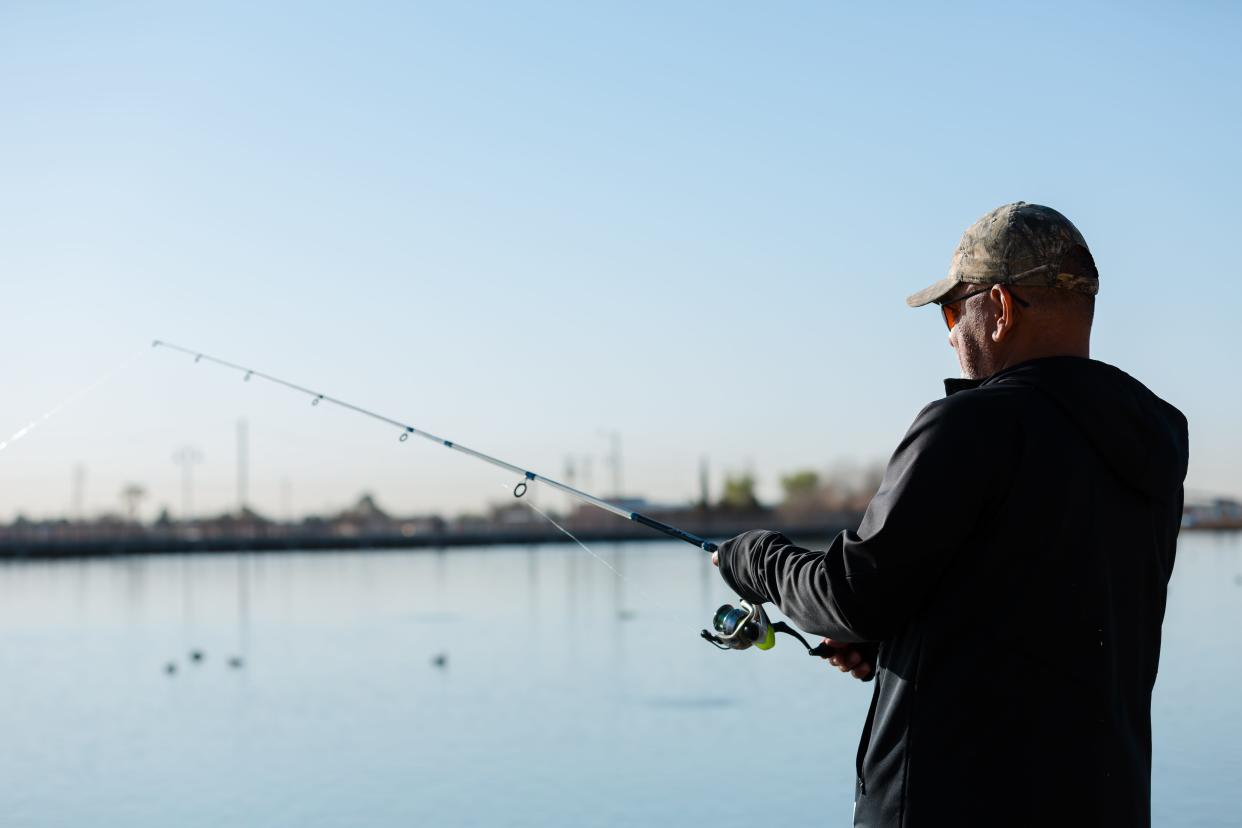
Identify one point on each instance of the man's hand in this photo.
(855, 659)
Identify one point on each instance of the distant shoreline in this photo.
(183, 541)
(52, 549)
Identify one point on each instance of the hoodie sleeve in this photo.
(867, 583)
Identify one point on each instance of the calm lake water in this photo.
(570, 697)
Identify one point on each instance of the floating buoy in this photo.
(170, 667)
(440, 660)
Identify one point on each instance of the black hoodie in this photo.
(1013, 569)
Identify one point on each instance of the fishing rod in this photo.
(737, 628)
(407, 430)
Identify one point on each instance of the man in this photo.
(1007, 583)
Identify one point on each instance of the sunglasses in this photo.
(952, 313)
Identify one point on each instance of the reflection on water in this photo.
(514, 686)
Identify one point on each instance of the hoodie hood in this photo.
(1142, 438)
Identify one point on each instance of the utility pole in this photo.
(571, 477)
(243, 465)
(704, 494)
(614, 460)
(132, 494)
(588, 472)
(187, 457)
(78, 503)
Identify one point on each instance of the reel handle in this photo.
(823, 649)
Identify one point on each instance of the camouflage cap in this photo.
(1018, 244)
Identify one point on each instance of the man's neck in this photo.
(1040, 350)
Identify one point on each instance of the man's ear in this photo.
(1006, 318)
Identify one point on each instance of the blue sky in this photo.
(519, 224)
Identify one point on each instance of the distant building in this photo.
(1217, 513)
(364, 518)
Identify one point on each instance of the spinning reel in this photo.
(747, 625)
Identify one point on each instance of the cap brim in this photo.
(930, 294)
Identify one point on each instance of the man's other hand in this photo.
(857, 660)
(715, 559)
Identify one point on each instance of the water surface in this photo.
(568, 697)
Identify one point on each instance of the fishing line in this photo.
(23, 432)
(642, 596)
(572, 537)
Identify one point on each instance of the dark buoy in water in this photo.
(196, 655)
(235, 662)
(626, 615)
(440, 660)
(170, 668)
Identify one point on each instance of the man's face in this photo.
(970, 337)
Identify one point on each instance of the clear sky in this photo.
(517, 224)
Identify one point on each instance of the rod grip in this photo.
(673, 531)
